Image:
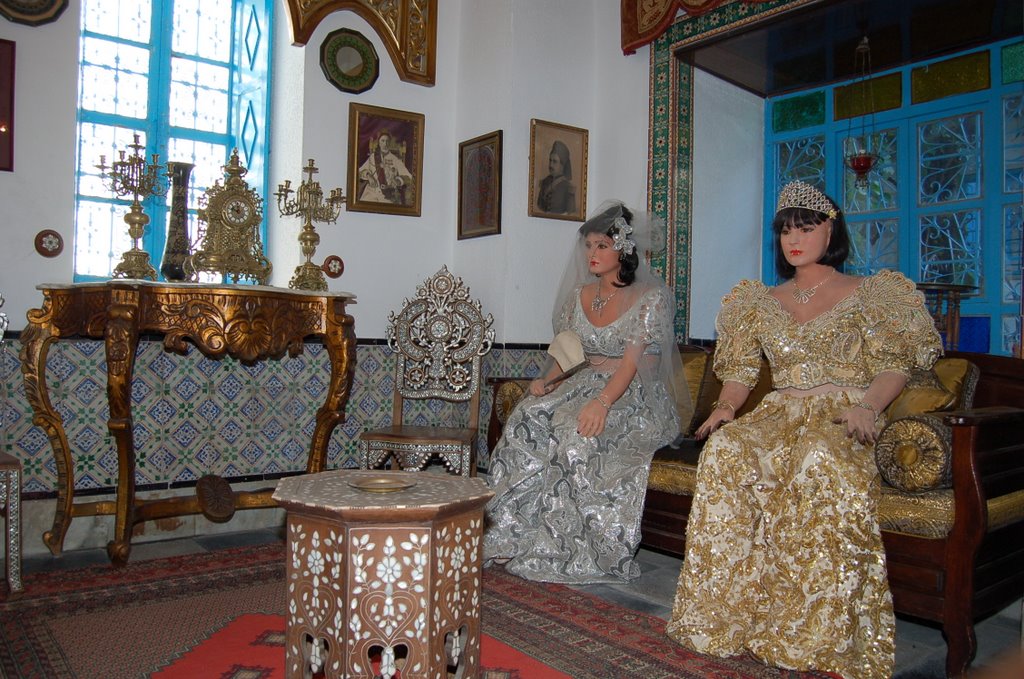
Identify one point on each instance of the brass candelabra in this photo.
(131, 175)
(309, 204)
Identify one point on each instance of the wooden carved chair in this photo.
(438, 338)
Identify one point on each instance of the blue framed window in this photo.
(943, 203)
(189, 78)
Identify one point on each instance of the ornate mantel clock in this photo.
(231, 244)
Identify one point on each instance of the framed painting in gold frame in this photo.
(558, 171)
(385, 160)
(7, 105)
(480, 186)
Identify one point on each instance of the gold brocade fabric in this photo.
(881, 326)
(784, 557)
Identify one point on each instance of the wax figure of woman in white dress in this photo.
(784, 558)
(570, 471)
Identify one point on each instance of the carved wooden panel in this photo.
(408, 29)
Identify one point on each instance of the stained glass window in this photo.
(883, 191)
(1013, 144)
(951, 248)
(165, 70)
(874, 245)
(949, 153)
(945, 199)
(802, 159)
(1012, 259)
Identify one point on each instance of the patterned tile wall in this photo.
(196, 416)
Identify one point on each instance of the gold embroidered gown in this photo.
(784, 557)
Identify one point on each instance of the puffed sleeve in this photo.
(899, 333)
(737, 349)
(652, 324)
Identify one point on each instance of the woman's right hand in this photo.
(538, 388)
(716, 419)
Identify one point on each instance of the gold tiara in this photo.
(799, 194)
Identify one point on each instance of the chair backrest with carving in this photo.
(439, 338)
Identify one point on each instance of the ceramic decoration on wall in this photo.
(349, 61)
(32, 12)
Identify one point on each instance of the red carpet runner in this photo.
(252, 646)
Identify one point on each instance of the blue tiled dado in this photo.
(196, 416)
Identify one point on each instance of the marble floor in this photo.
(920, 650)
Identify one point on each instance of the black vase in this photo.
(177, 248)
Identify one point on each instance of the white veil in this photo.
(645, 236)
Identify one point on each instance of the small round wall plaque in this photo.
(32, 12)
(333, 266)
(349, 60)
(49, 243)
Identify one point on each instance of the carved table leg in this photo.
(35, 345)
(122, 339)
(340, 342)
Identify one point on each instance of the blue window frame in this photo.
(944, 201)
(189, 78)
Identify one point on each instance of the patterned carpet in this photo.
(148, 616)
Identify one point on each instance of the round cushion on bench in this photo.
(913, 454)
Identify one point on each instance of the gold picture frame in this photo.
(480, 186)
(558, 171)
(388, 181)
(7, 105)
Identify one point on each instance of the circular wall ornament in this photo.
(49, 243)
(333, 266)
(32, 12)
(349, 60)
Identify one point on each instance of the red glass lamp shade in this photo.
(861, 163)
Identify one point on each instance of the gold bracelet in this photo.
(600, 398)
(723, 404)
(867, 406)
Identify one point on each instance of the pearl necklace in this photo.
(803, 296)
(599, 302)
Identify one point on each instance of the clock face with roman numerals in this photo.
(237, 211)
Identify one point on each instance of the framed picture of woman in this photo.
(480, 186)
(558, 171)
(385, 160)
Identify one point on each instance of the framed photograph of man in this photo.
(480, 186)
(558, 171)
(385, 160)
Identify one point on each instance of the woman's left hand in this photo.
(591, 419)
(860, 424)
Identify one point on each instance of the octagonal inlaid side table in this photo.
(10, 504)
(383, 573)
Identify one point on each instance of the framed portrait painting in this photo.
(480, 186)
(6, 105)
(558, 171)
(385, 160)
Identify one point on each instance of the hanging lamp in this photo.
(858, 147)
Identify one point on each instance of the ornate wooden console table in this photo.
(249, 323)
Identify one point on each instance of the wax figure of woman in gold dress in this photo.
(570, 471)
(784, 557)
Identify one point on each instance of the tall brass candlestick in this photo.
(309, 204)
(131, 175)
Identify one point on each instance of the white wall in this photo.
(728, 171)
(558, 62)
(499, 64)
(39, 194)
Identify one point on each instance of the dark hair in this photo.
(796, 217)
(600, 224)
(562, 151)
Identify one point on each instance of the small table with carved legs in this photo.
(248, 322)
(383, 567)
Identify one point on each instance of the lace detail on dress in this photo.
(882, 326)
